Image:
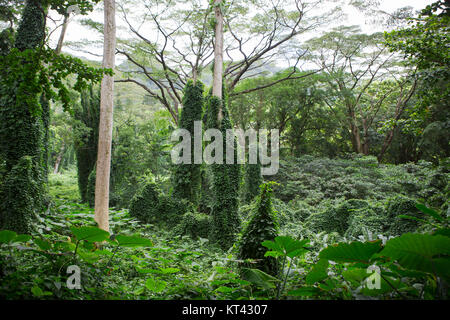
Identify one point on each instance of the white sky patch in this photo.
(76, 32)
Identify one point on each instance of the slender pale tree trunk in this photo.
(218, 56)
(63, 34)
(58, 160)
(106, 120)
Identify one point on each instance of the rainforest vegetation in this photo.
(93, 207)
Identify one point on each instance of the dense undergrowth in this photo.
(332, 242)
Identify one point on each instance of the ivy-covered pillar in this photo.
(21, 125)
(187, 177)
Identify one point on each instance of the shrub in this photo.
(194, 225)
(367, 220)
(262, 226)
(335, 218)
(401, 206)
(150, 205)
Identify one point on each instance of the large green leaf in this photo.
(91, 234)
(7, 236)
(22, 238)
(259, 278)
(318, 272)
(287, 246)
(133, 241)
(360, 252)
(43, 244)
(422, 252)
(304, 292)
(429, 212)
(355, 275)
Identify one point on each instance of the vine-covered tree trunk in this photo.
(87, 145)
(187, 177)
(21, 128)
(106, 120)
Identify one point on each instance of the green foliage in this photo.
(187, 177)
(263, 225)
(397, 207)
(194, 225)
(253, 180)
(21, 197)
(90, 189)
(87, 115)
(225, 181)
(335, 218)
(150, 205)
(28, 72)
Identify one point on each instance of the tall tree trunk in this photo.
(106, 120)
(218, 56)
(63, 34)
(58, 160)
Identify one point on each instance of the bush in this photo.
(367, 220)
(335, 218)
(194, 225)
(150, 205)
(401, 206)
(262, 226)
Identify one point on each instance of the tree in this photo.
(353, 63)
(424, 42)
(258, 33)
(106, 120)
(86, 130)
(187, 177)
(28, 71)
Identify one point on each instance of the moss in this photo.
(20, 194)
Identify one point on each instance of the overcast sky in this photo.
(77, 32)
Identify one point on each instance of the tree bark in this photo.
(218, 56)
(58, 160)
(63, 34)
(106, 120)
